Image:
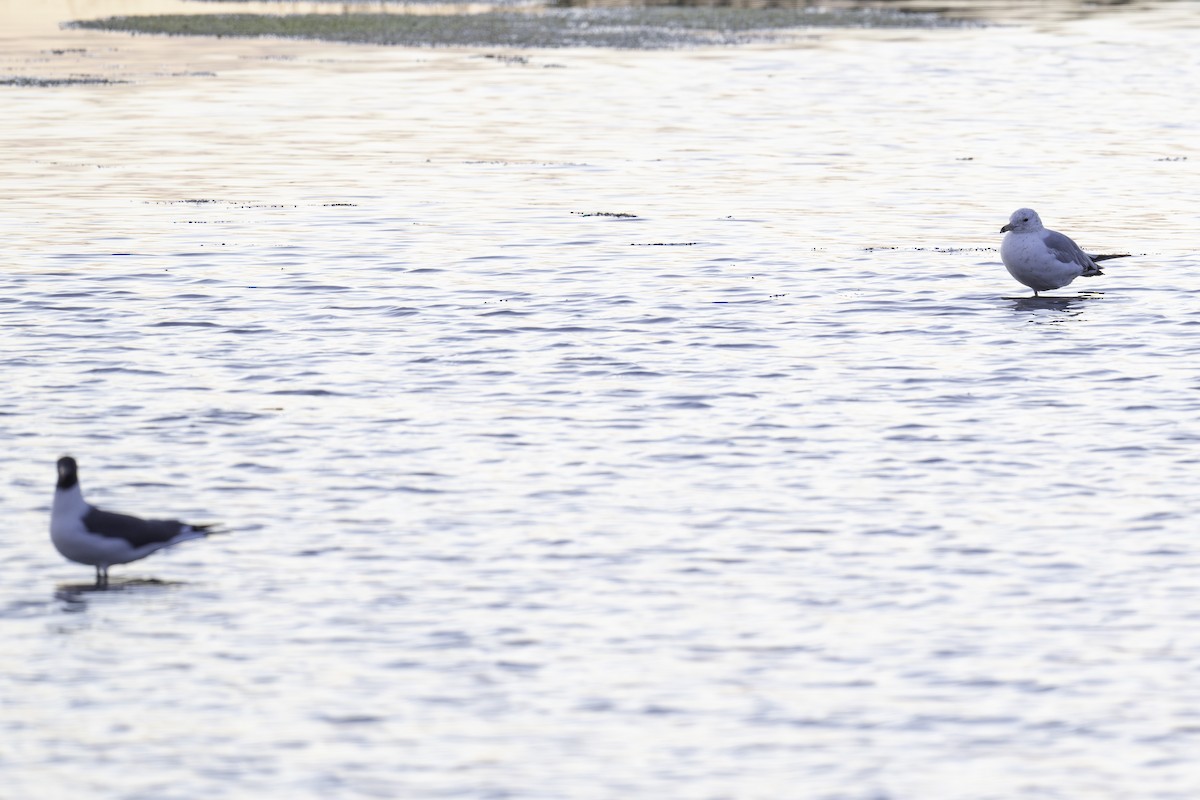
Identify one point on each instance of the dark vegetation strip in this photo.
(74, 80)
(655, 27)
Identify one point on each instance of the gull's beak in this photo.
(1006, 228)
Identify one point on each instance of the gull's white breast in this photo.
(1033, 264)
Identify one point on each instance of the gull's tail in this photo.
(1093, 270)
(208, 529)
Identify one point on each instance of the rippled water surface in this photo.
(599, 424)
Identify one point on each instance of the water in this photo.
(776, 488)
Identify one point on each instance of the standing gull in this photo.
(85, 534)
(1044, 259)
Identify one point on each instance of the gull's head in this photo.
(1023, 220)
(68, 474)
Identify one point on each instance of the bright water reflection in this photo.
(771, 489)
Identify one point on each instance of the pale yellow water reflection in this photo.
(41, 18)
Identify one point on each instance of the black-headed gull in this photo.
(84, 533)
(1043, 259)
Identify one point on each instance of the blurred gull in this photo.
(84, 533)
(1044, 259)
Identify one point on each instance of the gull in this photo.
(84, 533)
(1043, 259)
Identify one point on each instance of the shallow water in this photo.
(777, 487)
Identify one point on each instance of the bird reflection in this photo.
(1067, 305)
(75, 595)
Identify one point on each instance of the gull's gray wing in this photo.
(137, 532)
(1066, 250)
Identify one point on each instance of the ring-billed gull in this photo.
(1043, 259)
(84, 533)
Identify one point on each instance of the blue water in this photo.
(612, 424)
